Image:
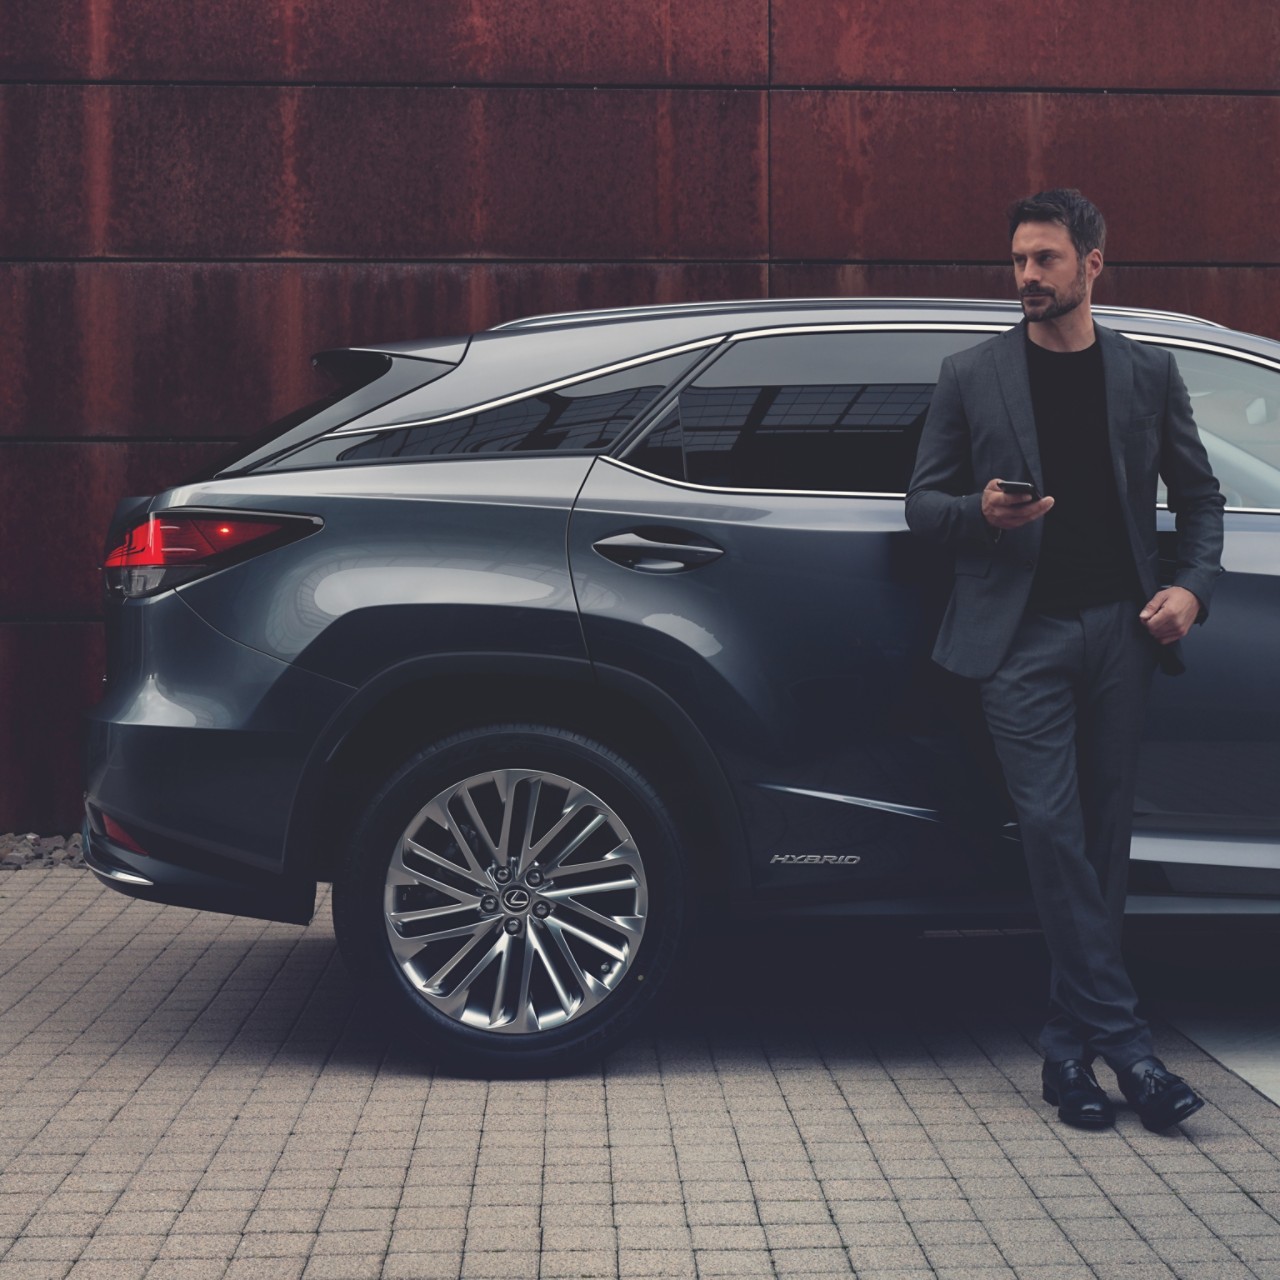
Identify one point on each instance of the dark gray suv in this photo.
(535, 641)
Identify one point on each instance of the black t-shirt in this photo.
(1085, 558)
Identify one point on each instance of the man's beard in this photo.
(1057, 306)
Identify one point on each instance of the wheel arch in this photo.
(417, 702)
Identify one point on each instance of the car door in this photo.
(1208, 807)
(749, 558)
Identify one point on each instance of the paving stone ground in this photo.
(188, 1096)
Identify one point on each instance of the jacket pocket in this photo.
(1147, 422)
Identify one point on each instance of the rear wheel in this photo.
(514, 897)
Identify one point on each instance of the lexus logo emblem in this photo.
(516, 899)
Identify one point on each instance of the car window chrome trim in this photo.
(1213, 348)
(719, 488)
(872, 326)
(928, 327)
(617, 367)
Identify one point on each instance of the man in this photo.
(1057, 612)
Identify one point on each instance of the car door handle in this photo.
(649, 553)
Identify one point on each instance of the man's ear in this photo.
(1093, 264)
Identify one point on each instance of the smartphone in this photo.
(1019, 487)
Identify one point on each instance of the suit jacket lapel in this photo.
(1015, 387)
(1117, 376)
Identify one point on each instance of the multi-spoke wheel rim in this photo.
(515, 901)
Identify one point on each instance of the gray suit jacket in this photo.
(981, 424)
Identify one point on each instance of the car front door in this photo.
(749, 557)
(1208, 806)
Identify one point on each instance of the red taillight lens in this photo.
(169, 548)
(171, 540)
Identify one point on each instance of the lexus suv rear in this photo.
(534, 641)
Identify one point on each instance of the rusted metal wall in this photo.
(193, 198)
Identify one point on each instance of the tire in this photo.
(581, 964)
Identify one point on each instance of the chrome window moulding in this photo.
(1213, 348)
(881, 326)
(616, 367)
(873, 326)
(720, 488)
(944, 327)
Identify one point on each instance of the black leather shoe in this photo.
(1070, 1086)
(1160, 1098)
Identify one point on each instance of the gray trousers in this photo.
(1065, 710)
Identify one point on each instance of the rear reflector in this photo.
(116, 832)
(169, 548)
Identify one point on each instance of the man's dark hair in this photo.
(1067, 207)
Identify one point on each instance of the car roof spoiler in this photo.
(336, 361)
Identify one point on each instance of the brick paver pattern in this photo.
(188, 1096)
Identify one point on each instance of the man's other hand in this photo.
(1010, 510)
(1168, 615)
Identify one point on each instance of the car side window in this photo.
(815, 411)
(582, 417)
(1236, 404)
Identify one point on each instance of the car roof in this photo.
(521, 356)
(778, 308)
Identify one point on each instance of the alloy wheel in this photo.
(515, 901)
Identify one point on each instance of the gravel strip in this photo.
(32, 850)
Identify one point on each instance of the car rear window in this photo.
(366, 381)
(583, 417)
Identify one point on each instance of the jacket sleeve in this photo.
(1194, 495)
(943, 502)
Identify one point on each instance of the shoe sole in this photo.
(1102, 1122)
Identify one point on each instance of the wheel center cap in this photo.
(516, 899)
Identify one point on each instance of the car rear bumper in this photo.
(290, 899)
(196, 753)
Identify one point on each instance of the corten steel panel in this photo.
(1178, 44)
(923, 176)
(382, 173)
(85, 168)
(220, 349)
(1240, 297)
(511, 41)
(48, 39)
(58, 515)
(53, 674)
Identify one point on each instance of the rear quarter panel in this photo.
(414, 559)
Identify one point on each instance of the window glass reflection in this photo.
(832, 411)
(585, 417)
(1237, 410)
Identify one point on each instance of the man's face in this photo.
(1051, 278)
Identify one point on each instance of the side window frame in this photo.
(356, 435)
(1173, 344)
(654, 415)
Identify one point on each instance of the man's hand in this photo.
(1010, 510)
(1168, 615)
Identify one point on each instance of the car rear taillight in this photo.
(169, 548)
